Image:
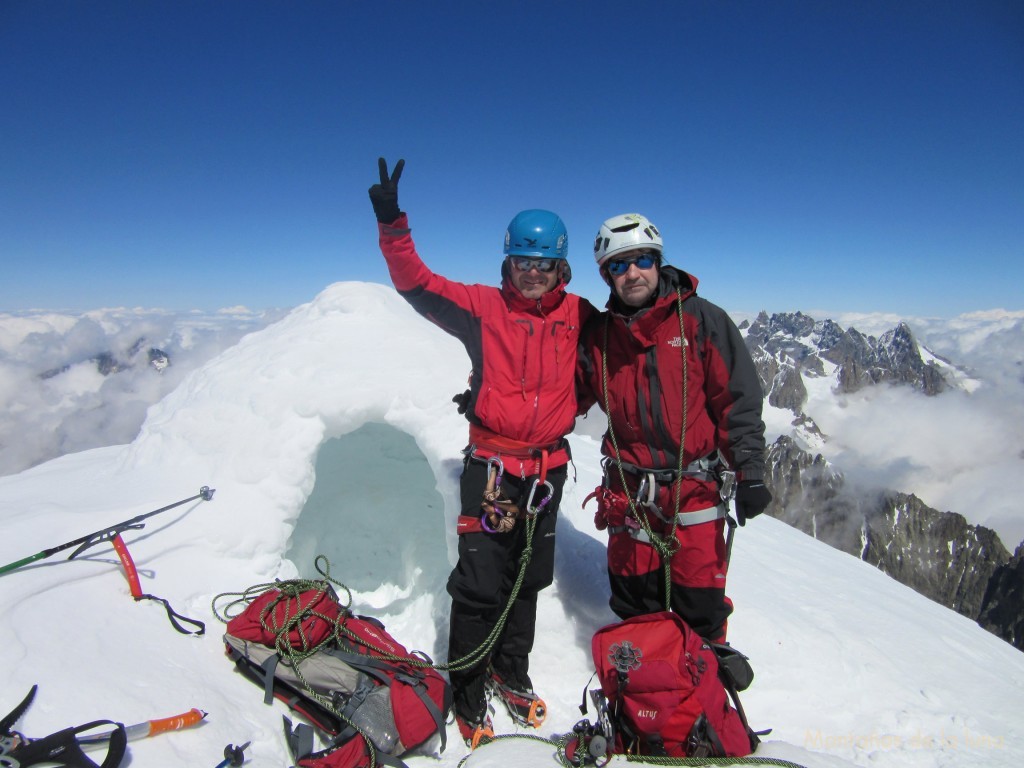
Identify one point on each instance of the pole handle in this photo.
(176, 723)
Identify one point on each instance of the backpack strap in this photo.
(385, 672)
(299, 738)
(267, 669)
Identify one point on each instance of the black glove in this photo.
(462, 401)
(384, 196)
(752, 498)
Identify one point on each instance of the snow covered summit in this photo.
(333, 431)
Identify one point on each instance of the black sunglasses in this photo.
(525, 264)
(617, 267)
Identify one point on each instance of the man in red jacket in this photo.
(683, 401)
(522, 340)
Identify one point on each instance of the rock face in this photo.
(938, 554)
(788, 346)
(1001, 608)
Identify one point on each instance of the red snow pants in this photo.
(698, 566)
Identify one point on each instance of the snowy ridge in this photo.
(333, 430)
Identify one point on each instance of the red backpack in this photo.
(345, 674)
(663, 693)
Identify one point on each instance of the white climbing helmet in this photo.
(626, 232)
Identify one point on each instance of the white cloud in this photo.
(55, 400)
(956, 451)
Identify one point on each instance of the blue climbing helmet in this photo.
(537, 233)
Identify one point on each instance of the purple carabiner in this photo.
(532, 510)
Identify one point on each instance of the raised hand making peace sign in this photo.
(384, 196)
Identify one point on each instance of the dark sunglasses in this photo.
(617, 267)
(525, 264)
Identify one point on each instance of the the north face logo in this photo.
(678, 342)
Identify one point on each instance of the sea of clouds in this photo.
(55, 400)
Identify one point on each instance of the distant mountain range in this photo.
(108, 362)
(963, 566)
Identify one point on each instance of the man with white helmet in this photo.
(683, 400)
(522, 340)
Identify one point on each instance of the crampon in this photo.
(525, 707)
(475, 733)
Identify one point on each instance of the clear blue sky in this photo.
(849, 156)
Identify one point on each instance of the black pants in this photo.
(481, 583)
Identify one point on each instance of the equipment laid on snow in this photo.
(151, 727)
(62, 747)
(113, 534)
(665, 692)
(65, 746)
(370, 699)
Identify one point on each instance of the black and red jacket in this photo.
(644, 377)
(522, 351)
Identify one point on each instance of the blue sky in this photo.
(844, 156)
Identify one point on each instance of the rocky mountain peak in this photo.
(788, 347)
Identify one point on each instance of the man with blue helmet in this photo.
(522, 342)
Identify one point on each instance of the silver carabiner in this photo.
(495, 461)
(728, 485)
(532, 510)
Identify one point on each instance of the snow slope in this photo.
(332, 431)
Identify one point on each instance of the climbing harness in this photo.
(647, 489)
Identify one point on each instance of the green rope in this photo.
(290, 655)
(473, 658)
(667, 546)
(293, 657)
(560, 743)
(748, 760)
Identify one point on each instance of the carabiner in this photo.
(496, 462)
(727, 485)
(530, 508)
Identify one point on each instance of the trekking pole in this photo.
(233, 756)
(150, 727)
(106, 534)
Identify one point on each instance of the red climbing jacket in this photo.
(522, 351)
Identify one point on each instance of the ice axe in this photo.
(113, 534)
